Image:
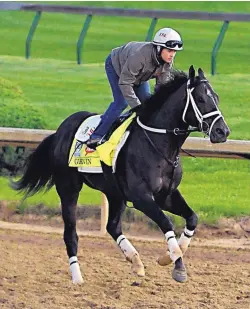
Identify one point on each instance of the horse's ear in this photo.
(191, 73)
(201, 73)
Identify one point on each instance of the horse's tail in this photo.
(38, 173)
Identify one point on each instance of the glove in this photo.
(137, 109)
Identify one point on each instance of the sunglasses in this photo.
(173, 44)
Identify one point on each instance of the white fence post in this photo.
(104, 214)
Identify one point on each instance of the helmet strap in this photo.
(159, 49)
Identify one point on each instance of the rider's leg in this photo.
(115, 108)
(143, 91)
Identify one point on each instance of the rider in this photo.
(129, 69)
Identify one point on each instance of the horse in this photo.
(148, 170)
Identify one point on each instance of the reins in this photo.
(175, 131)
(173, 163)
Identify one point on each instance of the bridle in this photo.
(200, 118)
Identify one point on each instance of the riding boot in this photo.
(107, 119)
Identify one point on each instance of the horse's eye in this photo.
(200, 100)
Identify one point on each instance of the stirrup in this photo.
(93, 143)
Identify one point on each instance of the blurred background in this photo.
(45, 89)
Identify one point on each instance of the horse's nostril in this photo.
(219, 131)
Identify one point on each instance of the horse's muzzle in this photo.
(220, 132)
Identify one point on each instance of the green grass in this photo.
(214, 188)
(49, 198)
(62, 88)
(57, 34)
(51, 79)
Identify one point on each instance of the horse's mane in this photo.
(161, 95)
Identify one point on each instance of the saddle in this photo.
(89, 160)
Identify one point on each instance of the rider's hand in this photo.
(137, 109)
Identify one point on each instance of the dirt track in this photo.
(34, 275)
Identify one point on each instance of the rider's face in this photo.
(168, 55)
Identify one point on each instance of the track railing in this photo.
(199, 147)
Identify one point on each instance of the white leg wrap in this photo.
(174, 249)
(185, 239)
(75, 270)
(126, 247)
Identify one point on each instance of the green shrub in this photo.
(9, 90)
(16, 111)
(12, 160)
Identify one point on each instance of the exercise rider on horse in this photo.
(129, 69)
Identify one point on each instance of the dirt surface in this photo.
(89, 219)
(34, 273)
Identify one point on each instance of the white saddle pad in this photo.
(83, 133)
(87, 128)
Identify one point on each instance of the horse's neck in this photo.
(170, 117)
(170, 114)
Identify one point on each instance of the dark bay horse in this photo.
(148, 170)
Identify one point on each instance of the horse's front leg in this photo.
(149, 207)
(176, 204)
(69, 195)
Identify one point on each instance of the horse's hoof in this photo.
(137, 266)
(179, 275)
(78, 280)
(76, 274)
(164, 260)
(139, 271)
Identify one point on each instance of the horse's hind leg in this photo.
(176, 204)
(114, 228)
(68, 186)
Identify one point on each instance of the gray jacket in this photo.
(135, 63)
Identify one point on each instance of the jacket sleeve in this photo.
(130, 71)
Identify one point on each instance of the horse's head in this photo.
(202, 110)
